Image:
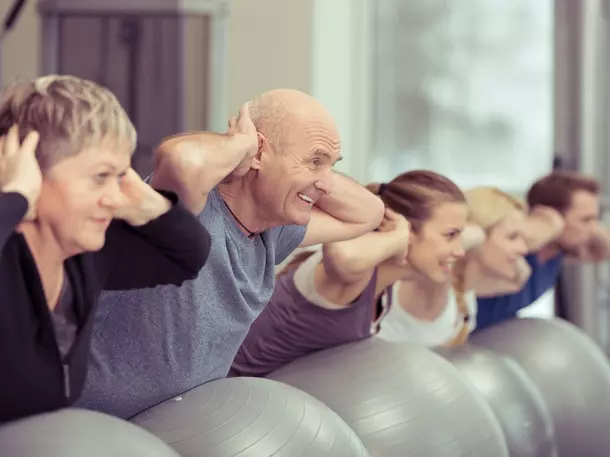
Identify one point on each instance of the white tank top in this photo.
(400, 326)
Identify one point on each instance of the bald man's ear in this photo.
(262, 142)
(263, 145)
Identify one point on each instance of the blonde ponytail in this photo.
(459, 286)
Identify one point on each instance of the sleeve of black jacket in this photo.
(13, 207)
(168, 250)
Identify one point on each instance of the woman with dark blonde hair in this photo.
(341, 294)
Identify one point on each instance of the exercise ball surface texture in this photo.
(250, 417)
(515, 400)
(78, 433)
(402, 400)
(570, 371)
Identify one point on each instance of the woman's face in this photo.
(504, 246)
(437, 245)
(79, 196)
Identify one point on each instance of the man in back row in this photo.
(263, 189)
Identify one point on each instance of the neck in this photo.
(389, 273)
(49, 258)
(430, 297)
(243, 207)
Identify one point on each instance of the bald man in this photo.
(262, 189)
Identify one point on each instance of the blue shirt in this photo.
(492, 310)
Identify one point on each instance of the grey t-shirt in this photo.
(150, 345)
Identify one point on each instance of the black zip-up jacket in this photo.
(168, 250)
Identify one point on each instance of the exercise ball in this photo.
(571, 373)
(250, 417)
(78, 433)
(516, 401)
(402, 400)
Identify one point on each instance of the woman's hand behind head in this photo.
(19, 169)
(398, 226)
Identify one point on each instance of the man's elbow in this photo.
(373, 215)
(378, 211)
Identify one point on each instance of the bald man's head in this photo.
(278, 112)
(298, 146)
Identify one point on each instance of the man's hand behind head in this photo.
(245, 139)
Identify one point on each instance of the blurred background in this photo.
(485, 91)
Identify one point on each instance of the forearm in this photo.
(347, 213)
(353, 258)
(13, 207)
(598, 249)
(152, 208)
(169, 249)
(352, 203)
(540, 230)
(193, 164)
(473, 236)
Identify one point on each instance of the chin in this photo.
(299, 217)
(438, 277)
(92, 244)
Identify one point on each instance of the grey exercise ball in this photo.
(402, 400)
(571, 372)
(250, 417)
(78, 433)
(516, 401)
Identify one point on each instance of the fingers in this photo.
(244, 121)
(11, 141)
(232, 123)
(30, 143)
(132, 178)
(392, 215)
(244, 112)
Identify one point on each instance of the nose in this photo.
(325, 185)
(521, 247)
(459, 252)
(113, 198)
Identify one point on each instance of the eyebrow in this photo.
(112, 167)
(105, 164)
(327, 156)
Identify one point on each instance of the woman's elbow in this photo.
(199, 254)
(343, 264)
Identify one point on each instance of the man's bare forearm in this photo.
(193, 164)
(348, 212)
(352, 203)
